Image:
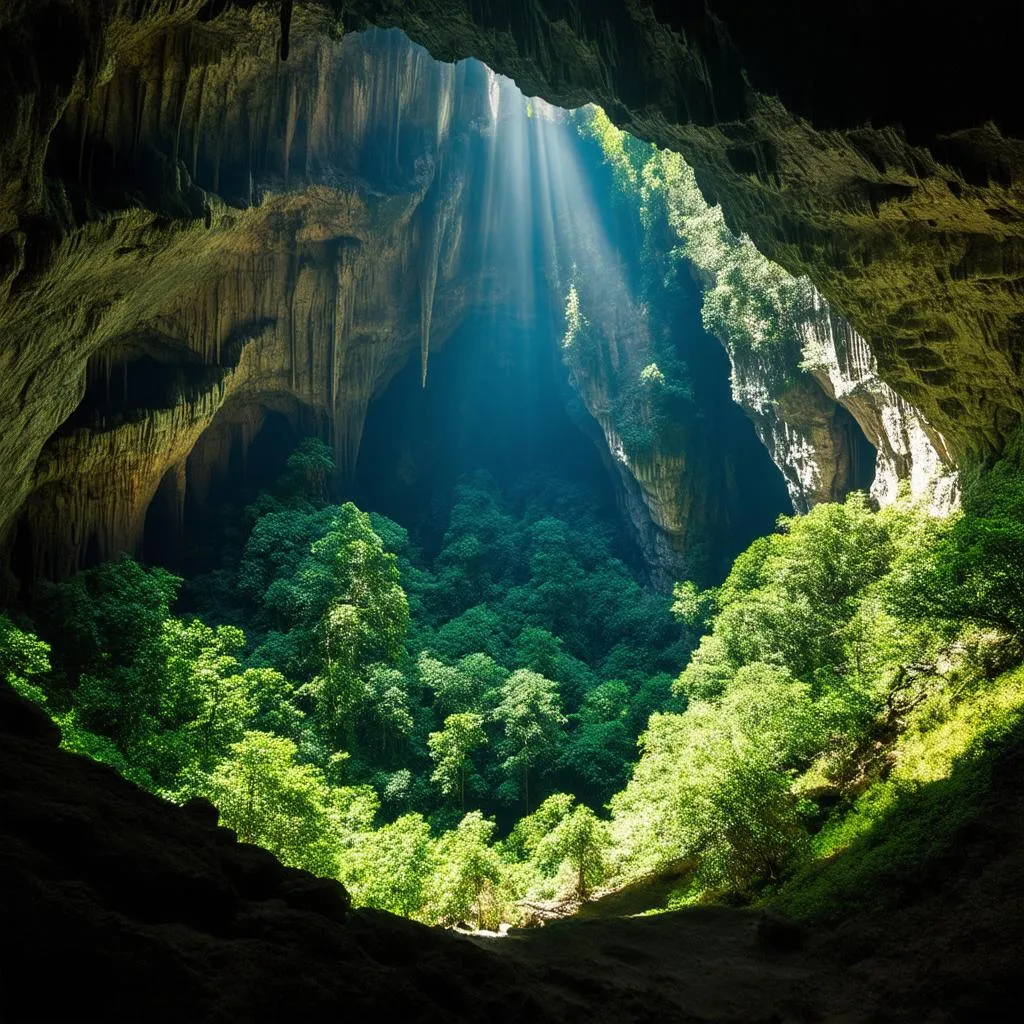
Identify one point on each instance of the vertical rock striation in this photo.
(174, 195)
(816, 398)
(342, 173)
(906, 447)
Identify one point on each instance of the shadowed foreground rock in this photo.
(119, 906)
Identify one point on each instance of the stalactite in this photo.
(186, 78)
(337, 282)
(140, 108)
(292, 122)
(286, 25)
(197, 130)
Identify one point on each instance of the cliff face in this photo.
(901, 197)
(906, 447)
(817, 399)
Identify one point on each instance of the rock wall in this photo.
(906, 447)
(167, 174)
(240, 235)
(815, 399)
(337, 253)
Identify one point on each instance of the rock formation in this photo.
(816, 399)
(176, 193)
(906, 447)
(306, 292)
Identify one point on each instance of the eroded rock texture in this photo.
(300, 234)
(175, 194)
(832, 425)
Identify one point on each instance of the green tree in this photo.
(581, 840)
(466, 863)
(450, 750)
(391, 867)
(307, 472)
(268, 798)
(206, 701)
(529, 830)
(531, 714)
(326, 589)
(454, 690)
(106, 628)
(24, 661)
(387, 697)
(478, 630)
(971, 568)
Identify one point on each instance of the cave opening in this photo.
(496, 402)
(464, 425)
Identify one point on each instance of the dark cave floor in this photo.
(117, 905)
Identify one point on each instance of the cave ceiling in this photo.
(163, 175)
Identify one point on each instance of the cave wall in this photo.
(832, 425)
(294, 224)
(342, 255)
(876, 148)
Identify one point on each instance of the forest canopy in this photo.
(454, 736)
(366, 713)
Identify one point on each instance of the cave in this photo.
(512, 511)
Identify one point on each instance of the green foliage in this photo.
(531, 714)
(24, 661)
(350, 741)
(974, 569)
(580, 841)
(466, 864)
(828, 689)
(307, 472)
(805, 662)
(450, 749)
(949, 777)
(831, 725)
(523, 840)
(328, 602)
(268, 798)
(692, 606)
(391, 867)
(750, 303)
(106, 631)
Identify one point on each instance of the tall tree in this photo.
(466, 864)
(581, 839)
(531, 713)
(450, 749)
(268, 798)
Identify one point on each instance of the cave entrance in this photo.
(497, 401)
(863, 457)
